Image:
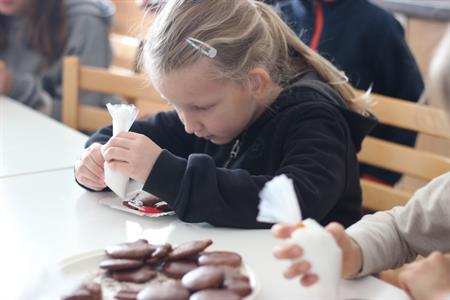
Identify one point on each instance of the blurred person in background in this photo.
(35, 35)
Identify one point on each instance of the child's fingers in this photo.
(91, 170)
(96, 169)
(120, 166)
(97, 158)
(88, 169)
(296, 269)
(283, 231)
(309, 279)
(338, 232)
(287, 251)
(120, 140)
(115, 154)
(90, 183)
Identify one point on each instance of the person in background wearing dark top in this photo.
(368, 44)
(35, 35)
(251, 102)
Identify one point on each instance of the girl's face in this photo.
(11, 7)
(216, 110)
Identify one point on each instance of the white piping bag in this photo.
(279, 204)
(123, 116)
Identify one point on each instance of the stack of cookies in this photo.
(145, 271)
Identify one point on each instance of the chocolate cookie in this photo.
(126, 295)
(136, 250)
(160, 252)
(120, 264)
(234, 273)
(141, 275)
(188, 249)
(177, 269)
(215, 294)
(239, 285)
(88, 291)
(220, 258)
(204, 277)
(79, 294)
(166, 291)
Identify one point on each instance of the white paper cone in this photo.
(324, 255)
(123, 117)
(279, 202)
(116, 181)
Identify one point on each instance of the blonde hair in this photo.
(438, 84)
(246, 34)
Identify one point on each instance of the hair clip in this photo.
(203, 47)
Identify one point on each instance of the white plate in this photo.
(85, 267)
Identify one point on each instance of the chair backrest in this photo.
(134, 88)
(402, 159)
(125, 51)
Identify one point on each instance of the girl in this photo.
(34, 37)
(389, 239)
(251, 101)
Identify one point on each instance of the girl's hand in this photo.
(132, 154)
(89, 168)
(427, 278)
(351, 253)
(5, 79)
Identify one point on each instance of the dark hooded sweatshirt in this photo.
(307, 134)
(368, 44)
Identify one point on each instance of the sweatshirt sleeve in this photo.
(391, 238)
(88, 38)
(200, 191)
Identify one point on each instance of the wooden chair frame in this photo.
(399, 158)
(135, 88)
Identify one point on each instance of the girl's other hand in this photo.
(351, 253)
(132, 154)
(89, 168)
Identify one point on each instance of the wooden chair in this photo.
(402, 159)
(125, 51)
(134, 88)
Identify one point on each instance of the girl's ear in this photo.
(259, 83)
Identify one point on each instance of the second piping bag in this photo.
(279, 204)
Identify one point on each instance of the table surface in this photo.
(46, 217)
(31, 142)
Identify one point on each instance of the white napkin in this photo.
(279, 204)
(123, 117)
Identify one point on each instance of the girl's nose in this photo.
(191, 125)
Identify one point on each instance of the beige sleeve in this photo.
(391, 238)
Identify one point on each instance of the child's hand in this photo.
(351, 253)
(427, 278)
(132, 154)
(5, 79)
(89, 168)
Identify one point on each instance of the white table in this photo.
(45, 217)
(31, 142)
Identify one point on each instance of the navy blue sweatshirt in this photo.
(368, 44)
(307, 134)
